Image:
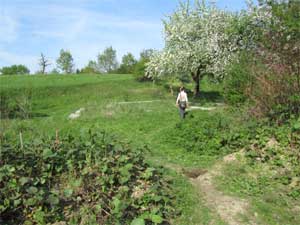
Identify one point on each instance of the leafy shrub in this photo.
(128, 64)
(140, 70)
(14, 70)
(237, 81)
(278, 147)
(92, 179)
(212, 135)
(276, 92)
(16, 106)
(268, 73)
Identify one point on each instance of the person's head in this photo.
(181, 88)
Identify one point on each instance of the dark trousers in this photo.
(182, 112)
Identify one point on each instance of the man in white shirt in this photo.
(182, 102)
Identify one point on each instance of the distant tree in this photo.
(128, 64)
(65, 61)
(107, 60)
(140, 67)
(14, 70)
(54, 71)
(90, 68)
(43, 62)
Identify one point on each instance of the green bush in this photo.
(14, 70)
(16, 105)
(91, 179)
(140, 70)
(237, 81)
(211, 135)
(277, 147)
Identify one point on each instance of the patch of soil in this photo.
(229, 208)
(193, 173)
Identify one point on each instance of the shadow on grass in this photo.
(23, 116)
(207, 97)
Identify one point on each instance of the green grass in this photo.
(54, 98)
(41, 81)
(268, 201)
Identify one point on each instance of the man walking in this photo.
(182, 102)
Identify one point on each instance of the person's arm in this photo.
(187, 101)
(177, 99)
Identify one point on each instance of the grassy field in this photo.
(104, 98)
(145, 115)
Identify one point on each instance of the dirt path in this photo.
(228, 208)
(138, 102)
(191, 108)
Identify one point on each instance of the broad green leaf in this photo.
(1, 176)
(124, 179)
(17, 202)
(47, 153)
(117, 204)
(148, 173)
(104, 169)
(68, 193)
(39, 217)
(30, 202)
(156, 219)
(138, 221)
(11, 169)
(24, 180)
(157, 198)
(118, 147)
(32, 190)
(296, 126)
(27, 222)
(53, 200)
(42, 180)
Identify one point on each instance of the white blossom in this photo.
(195, 40)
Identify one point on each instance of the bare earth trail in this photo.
(230, 209)
(191, 108)
(78, 113)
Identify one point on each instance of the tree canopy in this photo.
(91, 67)
(107, 60)
(14, 70)
(65, 61)
(196, 43)
(128, 63)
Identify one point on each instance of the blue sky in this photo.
(85, 27)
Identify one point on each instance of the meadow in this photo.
(141, 115)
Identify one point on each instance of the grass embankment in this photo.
(40, 106)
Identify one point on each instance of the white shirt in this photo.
(182, 96)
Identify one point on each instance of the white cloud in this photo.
(8, 27)
(48, 27)
(69, 23)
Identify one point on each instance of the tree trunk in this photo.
(196, 79)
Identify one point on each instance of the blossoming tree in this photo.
(197, 42)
